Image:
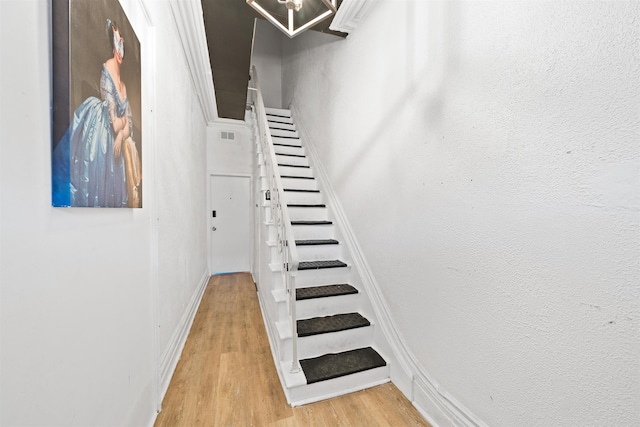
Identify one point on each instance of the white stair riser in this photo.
(307, 232)
(323, 276)
(301, 184)
(308, 214)
(319, 252)
(287, 170)
(289, 150)
(275, 122)
(330, 276)
(275, 254)
(288, 160)
(288, 141)
(278, 132)
(297, 198)
(337, 386)
(334, 342)
(317, 307)
(278, 111)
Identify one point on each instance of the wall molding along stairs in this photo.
(434, 403)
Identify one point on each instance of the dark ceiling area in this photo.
(229, 26)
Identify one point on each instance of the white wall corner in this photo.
(172, 353)
(188, 16)
(351, 14)
(435, 404)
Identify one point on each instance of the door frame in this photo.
(251, 216)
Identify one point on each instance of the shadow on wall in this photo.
(425, 77)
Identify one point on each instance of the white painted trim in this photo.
(351, 14)
(237, 125)
(340, 393)
(239, 175)
(171, 356)
(424, 388)
(227, 122)
(189, 20)
(273, 345)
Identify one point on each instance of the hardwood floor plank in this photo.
(226, 375)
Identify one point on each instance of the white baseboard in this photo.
(438, 407)
(172, 353)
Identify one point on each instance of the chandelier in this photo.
(292, 16)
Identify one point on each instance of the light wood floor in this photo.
(227, 377)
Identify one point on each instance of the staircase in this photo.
(335, 325)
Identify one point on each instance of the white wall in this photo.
(181, 184)
(226, 155)
(230, 157)
(267, 57)
(487, 155)
(77, 294)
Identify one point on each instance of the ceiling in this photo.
(229, 26)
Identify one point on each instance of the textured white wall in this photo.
(229, 156)
(76, 294)
(181, 181)
(487, 155)
(266, 56)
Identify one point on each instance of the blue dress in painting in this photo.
(96, 177)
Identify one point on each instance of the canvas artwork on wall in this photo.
(96, 106)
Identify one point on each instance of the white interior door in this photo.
(230, 228)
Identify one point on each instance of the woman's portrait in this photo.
(97, 161)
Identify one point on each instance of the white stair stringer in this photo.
(310, 208)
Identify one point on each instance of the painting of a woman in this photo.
(97, 164)
(100, 128)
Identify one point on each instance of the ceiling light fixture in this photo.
(291, 16)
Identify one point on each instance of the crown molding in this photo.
(351, 14)
(189, 20)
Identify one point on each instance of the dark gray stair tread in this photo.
(301, 190)
(328, 324)
(286, 145)
(325, 291)
(311, 222)
(294, 166)
(277, 115)
(296, 177)
(335, 365)
(316, 265)
(294, 205)
(287, 137)
(315, 242)
(302, 156)
(277, 128)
